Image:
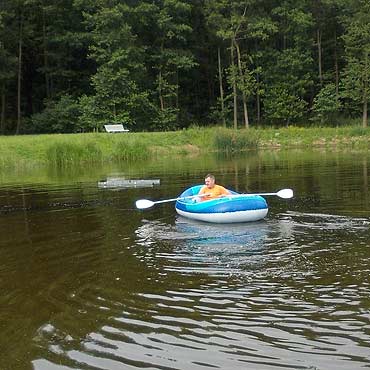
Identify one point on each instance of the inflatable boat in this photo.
(230, 209)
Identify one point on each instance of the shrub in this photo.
(58, 116)
(130, 150)
(229, 141)
(63, 153)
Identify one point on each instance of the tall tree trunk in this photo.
(177, 88)
(161, 100)
(336, 67)
(244, 99)
(2, 121)
(364, 114)
(20, 45)
(319, 53)
(235, 93)
(258, 99)
(365, 93)
(160, 81)
(221, 87)
(46, 61)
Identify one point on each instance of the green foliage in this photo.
(282, 106)
(153, 65)
(216, 115)
(294, 20)
(166, 119)
(289, 70)
(119, 93)
(91, 118)
(326, 103)
(72, 149)
(130, 149)
(7, 60)
(355, 84)
(66, 153)
(229, 141)
(357, 131)
(172, 19)
(58, 116)
(246, 82)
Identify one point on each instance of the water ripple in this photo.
(290, 292)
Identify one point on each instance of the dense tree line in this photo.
(73, 65)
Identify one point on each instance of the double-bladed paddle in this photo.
(146, 203)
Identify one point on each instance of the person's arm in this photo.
(202, 194)
(223, 191)
(201, 191)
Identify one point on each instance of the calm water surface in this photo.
(89, 282)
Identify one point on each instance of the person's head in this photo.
(210, 181)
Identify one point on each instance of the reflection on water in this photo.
(89, 282)
(271, 299)
(206, 248)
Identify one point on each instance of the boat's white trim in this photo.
(226, 217)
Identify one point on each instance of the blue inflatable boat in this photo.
(229, 209)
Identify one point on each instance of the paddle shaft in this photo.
(180, 198)
(145, 203)
(283, 193)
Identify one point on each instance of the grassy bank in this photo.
(92, 147)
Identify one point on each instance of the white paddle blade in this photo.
(144, 203)
(285, 193)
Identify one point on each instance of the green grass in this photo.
(63, 150)
(64, 153)
(135, 149)
(231, 141)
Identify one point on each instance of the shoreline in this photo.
(65, 149)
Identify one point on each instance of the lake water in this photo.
(89, 282)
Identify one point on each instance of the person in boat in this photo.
(211, 190)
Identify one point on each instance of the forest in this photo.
(71, 66)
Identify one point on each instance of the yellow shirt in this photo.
(213, 193)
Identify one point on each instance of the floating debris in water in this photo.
(117, 182)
